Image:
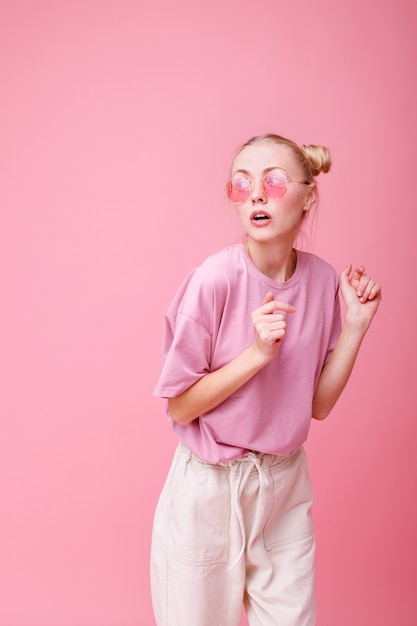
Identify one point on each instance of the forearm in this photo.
(338, 369)
(215, 387)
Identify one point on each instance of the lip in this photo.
(261, 222)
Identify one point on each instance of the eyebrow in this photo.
(265, 171)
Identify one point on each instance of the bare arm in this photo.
(215, 387)
(362, 297)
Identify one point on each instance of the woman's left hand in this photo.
(361, 294)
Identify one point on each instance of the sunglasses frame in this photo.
(262, 181)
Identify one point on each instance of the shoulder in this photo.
(318, 271)
(317, 267)
(217, 269)
(209, 283)
(227, 258)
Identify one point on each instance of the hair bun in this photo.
(319, 158)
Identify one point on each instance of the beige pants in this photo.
(232, 532)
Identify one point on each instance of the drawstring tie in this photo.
(237, 488)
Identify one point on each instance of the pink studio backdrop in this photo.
(119, 120)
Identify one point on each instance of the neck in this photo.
(277, 262)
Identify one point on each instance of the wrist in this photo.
(259, 358)
(356, 323)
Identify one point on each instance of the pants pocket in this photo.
(290, 519)
(199, 514)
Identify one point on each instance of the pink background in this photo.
(119, 120)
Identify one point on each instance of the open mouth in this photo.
(260, 216)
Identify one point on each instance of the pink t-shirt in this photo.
(209, 323)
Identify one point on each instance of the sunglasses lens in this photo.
(238, 189)
(275, 184)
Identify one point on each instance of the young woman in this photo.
(253, 348)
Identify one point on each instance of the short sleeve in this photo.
(186, 358)
(188, 333)
(336, 325)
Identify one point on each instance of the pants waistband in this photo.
(266, 459)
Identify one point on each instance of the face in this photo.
(277, 218)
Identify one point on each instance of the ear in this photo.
(311, 198)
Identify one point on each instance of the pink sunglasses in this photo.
(274, 185)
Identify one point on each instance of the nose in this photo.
(257, 193)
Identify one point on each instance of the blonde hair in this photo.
(312, 159)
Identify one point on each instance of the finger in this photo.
(375, 292)
(270, 333)
(267, 321)
(365, 286)
(357, 275)
(268, 298)
(366, 290)
(346, 272)
(354, 276)
(274, 305)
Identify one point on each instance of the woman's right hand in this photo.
(217, 386)
(269, 325)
